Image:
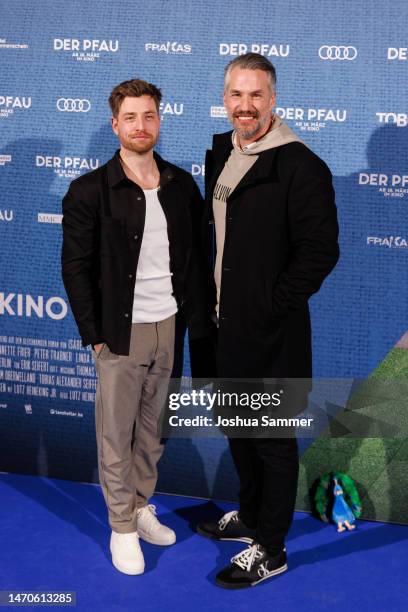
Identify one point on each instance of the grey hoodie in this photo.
(236, 166)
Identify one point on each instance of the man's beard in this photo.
(247, 134)
(140, 146)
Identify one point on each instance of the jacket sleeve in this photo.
(313, 237)
(198, 281)
(79, 262)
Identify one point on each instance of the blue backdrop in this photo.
(342, 74)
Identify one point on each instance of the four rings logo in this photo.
(73, 105)
(340, 53)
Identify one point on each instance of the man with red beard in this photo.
(130, 252)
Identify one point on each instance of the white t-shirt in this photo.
(153, 299)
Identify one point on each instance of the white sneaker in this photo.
(151, 530)
(127, 555)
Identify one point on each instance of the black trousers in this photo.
(268, 473)
(267, 461)
(267, 467)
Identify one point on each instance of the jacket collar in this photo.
(221, 148)
(259, 171)
(116, 173)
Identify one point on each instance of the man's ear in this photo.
(114, 123)
(273, 100)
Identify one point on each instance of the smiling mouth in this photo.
(245, 118)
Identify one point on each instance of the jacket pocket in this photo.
(105, 354)
(95, 354)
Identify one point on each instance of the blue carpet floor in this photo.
(54, 536)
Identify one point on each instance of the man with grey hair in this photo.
(272, 202)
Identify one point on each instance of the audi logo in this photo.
(73, 105)
(337, 53)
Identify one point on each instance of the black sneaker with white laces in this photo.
(229, 527)
(250, 567)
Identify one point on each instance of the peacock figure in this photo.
(337, 499)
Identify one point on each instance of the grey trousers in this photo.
(129, 400)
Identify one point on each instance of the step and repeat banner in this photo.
(341, 85)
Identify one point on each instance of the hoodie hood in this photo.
(280, 134)
(236, 166)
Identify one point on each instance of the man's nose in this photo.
(245, 103)
(140, 123)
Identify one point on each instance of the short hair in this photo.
(252, 61)
(133, 89)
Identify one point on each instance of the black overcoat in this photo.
(281, 242)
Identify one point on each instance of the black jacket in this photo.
(103, 223)
(281, 242)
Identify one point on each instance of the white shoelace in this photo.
(223, 522)
(150, 517)
(245, 559)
